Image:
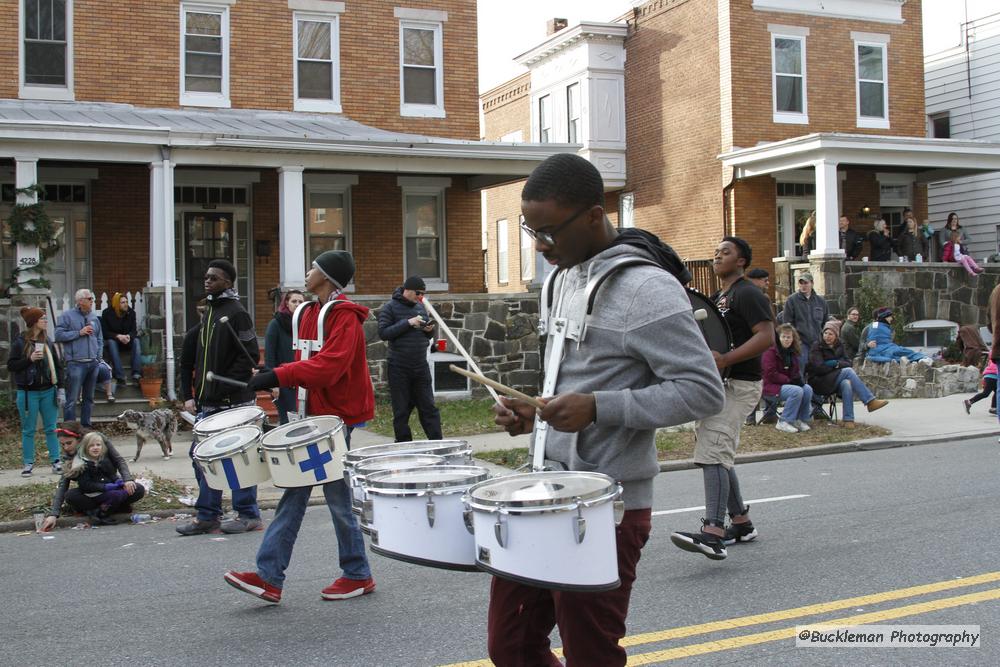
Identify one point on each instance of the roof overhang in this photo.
(585, 30)
(931, 159)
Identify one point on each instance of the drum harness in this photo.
(307, 346)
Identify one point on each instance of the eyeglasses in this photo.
(548, 237)
(419, 292)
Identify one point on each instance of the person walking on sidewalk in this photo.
(403, 322)
(830, 372)
(989, 389)
(278, 349)
(748, 314)
(79, 331)
(38, 378)
(643, 364)
(216, 347)
(338, 383)
(807, 312)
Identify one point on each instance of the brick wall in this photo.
(266, 271)
(754, 214)
(119, 224)
(144, 68)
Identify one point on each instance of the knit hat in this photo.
(834, 326)
(225, 266)
(337, 266)
(882, 314)
(415, 283)
(31, 315)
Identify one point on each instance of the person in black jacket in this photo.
(880, 242)
(121, 333)
(403, 322)
(850, 240)
(278, 349)
(216, 348)
(100, 489)
(830, 372)
(38, 377)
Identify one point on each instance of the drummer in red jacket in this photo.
(338, 383)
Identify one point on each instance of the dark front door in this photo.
(207, 236)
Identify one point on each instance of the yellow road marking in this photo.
(786, 614)
(788, 633)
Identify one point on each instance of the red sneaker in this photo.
(344, 588)
(249, 582)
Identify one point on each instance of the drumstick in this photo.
(225, 320)
(502, 388)
(458, 346)
(212, 377)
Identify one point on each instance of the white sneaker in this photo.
(802, 426)
(785, 427)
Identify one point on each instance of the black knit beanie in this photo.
(415, 283)
(337, 266)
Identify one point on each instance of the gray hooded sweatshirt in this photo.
(644, 359)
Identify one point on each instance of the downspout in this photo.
(726, 216)
(168, 192)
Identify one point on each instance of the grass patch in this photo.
(23, 500)
(679, 445)
(458, 418)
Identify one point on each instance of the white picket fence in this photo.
(135, 301)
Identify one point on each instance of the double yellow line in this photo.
(797, 613)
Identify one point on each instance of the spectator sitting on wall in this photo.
(850, 334)
(881, 349)
(850, 240)
(954, 252)
(944, 234)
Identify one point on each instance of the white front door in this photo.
(792, 215)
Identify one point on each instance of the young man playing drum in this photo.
(224, 348)
(642, 364)
(338, 383)
(748, 314)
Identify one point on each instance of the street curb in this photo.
(871, 444)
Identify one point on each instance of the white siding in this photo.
(947, 79)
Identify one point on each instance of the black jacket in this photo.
(407, 345)
(63, 486)
(909, 245)
(823, 378)
(217, 350)
(95, 475)
(112, 325)
(881, 247)
(851, 242)
(33, 375)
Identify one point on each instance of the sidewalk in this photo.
(912, 421)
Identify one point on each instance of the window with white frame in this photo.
(788, 56)
(545, 119)
(205, 55)
(527, 253)
(503, 252)
(46, 49)
(317, 63)
(421, 69)
(573, 113)
(626, 208)
(327, 219)
(424, 228)
(872, 82)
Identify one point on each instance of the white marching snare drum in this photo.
(232, 459)
(416, 515)
(548, 529)
(368, 466)
(306, 452)
(248, 415)
(455, 452)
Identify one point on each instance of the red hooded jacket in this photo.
(337, 376)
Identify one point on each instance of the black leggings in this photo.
(722, 490)
(989, 387)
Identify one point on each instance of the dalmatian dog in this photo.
(159, 425)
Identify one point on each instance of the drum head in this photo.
(398, 462)
(223, 445)
(713, 326)
(301, 432)
(538, 489)
(436, 447)
(228, 419)
(432, 477)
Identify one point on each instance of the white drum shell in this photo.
(247, 464)
(399, 527)
(541, 548)
(223, 420)
(284, 462)
(355, 477)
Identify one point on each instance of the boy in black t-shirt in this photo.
(748, 314)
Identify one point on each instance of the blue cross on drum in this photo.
(316, 461)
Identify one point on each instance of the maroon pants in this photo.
(590, 624)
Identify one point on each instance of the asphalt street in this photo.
(899, 536)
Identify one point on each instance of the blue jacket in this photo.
(74, 345)
(407, 345)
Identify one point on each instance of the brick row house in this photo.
(716, 117)
(167, 133)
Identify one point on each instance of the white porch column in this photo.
(25, 175)
(291, 228)
(827, 211)
(161, 224)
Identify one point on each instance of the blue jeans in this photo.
(209, 503)
(30, 404)
(287, 403)
(80, 377)
(798, 402)
(276, 550)
(114, 351)
(850, 384)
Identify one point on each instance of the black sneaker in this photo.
(740, 532)
(700, 543)
(751, 420)
(199, 527)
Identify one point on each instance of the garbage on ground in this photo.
(126, 546)
(218, 539)
(146, 483)
(187, 500)
(180, 516)
(48, 537)
(81, 526)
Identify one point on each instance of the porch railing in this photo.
(703, 278)
(66, 301)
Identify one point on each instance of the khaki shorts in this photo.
(717, 437)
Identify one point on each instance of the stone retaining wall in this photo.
(915, 380)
